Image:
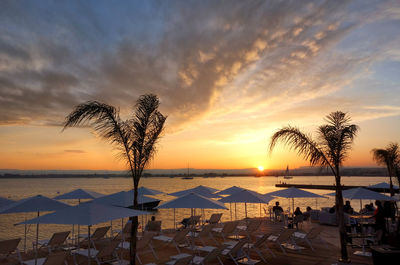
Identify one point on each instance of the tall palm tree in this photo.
(135, 138)
(330, 149)
(390, 157)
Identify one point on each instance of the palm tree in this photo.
(330, 149)
(135, 138)
(390, 157)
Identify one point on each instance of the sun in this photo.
(260, 168)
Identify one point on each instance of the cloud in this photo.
(204, 59)
(75, 151)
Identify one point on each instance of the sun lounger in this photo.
(98, 235)
(106, 254)
(59, 258)
(215, 218)
(312, 235)
(8, 247)
(259, 246)
(183, 260)
(210, 258)
(237, 253)
(201, 235)
(125, 233)
(56, 241)
(228, 229)
(191, 221)
(251, 228)
(141, 246)
(282, 238)
(153, 226)
(178, 239)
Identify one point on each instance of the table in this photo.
(385, 255)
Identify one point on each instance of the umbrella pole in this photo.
(37, 239)
(89, 245)
(230, 209)
(111, 232)
(174, 220)
(79, 202)
(260, 209)
(72, 238)
(360, 205)
(25, 237)
(235, 212)
(245, 210)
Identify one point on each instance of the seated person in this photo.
(153, 225)
(347, 208)
(298, 217)
(298, 211)
(333, 209)
(307, 214)
(366, 209)
(277, 210)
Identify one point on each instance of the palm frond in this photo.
(302, 143)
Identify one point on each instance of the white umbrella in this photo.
(246, 196)
(383, 185)
(4, 202)
(201, 190)
(37, 204)
(79, 194)
(123, 199)
(85, 214)
(192, 201)
(292, 193)
(230, 191)
(363, 194)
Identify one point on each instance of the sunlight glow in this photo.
(260, 168)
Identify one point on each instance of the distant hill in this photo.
(302, 171)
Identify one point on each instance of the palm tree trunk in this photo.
(340, 218)
(134, 227)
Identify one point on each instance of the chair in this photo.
(210, 258)
(229, 228)
(204, 233)
(252, 227)
(59, 258)
(258, 247)
(106, 254)
(125, 233)
(153, 226)
(312, 235)
(97, 235)
(298, 220)
(184, 260)
(179, 238)
(283, 237)
(191, 221)
(7, 247)
(56, 241)
(237, 254)
(141, 245)
(215, 218)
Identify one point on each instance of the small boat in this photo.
(287, 176)
(187, 178)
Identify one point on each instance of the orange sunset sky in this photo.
(228, 74)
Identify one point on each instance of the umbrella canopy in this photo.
(230, 191)
(4, 202)
(79, 194)
(123, 199)
(246, 196)
(201, 190)
(383, 185)
(362, 194)
(36, 203)
(85, 214)
(147, 191)
(293, 193)
(194, 201)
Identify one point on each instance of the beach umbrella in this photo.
(37, 204)
(230, 191)
(292, 193)
(383, 185)
(85, 214)
(201, 190)
(5, 202)
(363, 194)
(246, 196)
(192, 201)
(79, 194)
(123, 199)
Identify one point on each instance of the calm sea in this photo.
(17, 189)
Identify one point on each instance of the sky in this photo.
(228, 74)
